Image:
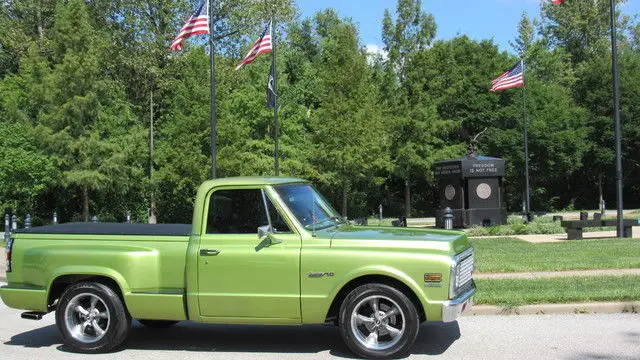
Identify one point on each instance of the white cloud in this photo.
(374, 49)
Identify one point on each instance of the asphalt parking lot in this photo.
(572, 337)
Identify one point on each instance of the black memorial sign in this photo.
(472, 188)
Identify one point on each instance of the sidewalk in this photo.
(544, 238)
(556, 274)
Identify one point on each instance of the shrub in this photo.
(543, 219)
(515, 220)
(543, 227)
(519, 229)
(494, 230)
(506, 231)
(478, 231)
(516, 226)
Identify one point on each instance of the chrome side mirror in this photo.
(263, 232)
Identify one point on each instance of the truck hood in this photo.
(392, 238)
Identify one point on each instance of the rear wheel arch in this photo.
(334, 309)
(62, 282)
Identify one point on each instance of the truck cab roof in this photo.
(252, 180)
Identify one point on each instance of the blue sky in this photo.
(478, 19)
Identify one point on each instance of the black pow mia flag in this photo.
(271, 88)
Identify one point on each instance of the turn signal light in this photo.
(432, 277)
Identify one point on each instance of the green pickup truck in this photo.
(259, 251)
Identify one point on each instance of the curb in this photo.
(549, 309)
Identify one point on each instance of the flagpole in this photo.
(275, 100)
(212, 100)
(151, 219)
(616, 111)
(526, 151)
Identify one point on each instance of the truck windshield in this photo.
(311, 209)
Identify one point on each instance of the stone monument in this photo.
(472, 187)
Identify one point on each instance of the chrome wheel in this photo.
(87, 318)
(377, 322)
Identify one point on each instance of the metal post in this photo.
(28, 221)
(616, 112)
(128, 217)
(276, 154)
(55, 218)
(447, 219)
(212, 101)
(152, 200)
(7, 228)
(526, 153)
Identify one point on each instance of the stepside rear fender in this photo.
(150, 288)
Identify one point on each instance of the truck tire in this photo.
(157, 324)
(92, 318)
(378, 321)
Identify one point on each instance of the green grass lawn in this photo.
(513, 255)
(514, 292)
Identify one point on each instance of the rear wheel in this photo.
(157, 324)
(378, 321)
(92, 318)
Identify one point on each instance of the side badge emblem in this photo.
(320, 274)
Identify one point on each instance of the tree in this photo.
(347, 126)
(21, 23)
(27, 173)
(413, 112)
(87, 117)
(581, 28)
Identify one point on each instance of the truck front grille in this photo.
(462, 273)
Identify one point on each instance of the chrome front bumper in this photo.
(451, 310)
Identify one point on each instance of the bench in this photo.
(401, 222)
(574, 227)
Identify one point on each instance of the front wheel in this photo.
(378, 321)
(92, 318)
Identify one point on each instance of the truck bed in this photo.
(82, 228)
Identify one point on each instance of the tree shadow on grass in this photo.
(433, 339)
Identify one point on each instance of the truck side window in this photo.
(278, 223)
(241, 212)
(236, 212)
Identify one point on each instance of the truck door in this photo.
(240, 276)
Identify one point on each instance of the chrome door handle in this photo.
(209, 252)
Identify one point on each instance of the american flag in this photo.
(197, 24)
(509, 79)
(261, 46)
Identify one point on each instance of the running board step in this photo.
(33, 315)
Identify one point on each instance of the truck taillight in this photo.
(9, 247)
